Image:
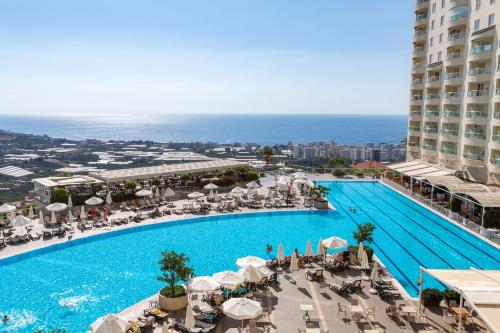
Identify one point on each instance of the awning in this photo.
(481, 289)
(412, 167)
(420, 172)
(416, 169)
(486, 199)
(402, 165)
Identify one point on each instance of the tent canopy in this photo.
(481, 288)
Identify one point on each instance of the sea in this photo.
(221, 128)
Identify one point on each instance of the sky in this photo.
(60, 57)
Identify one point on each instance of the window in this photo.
(432, 24)
(440, 38)
(431, 41)
(491, 20)
(439, 55)
(430, 58)
(442, 3)
(492, 2)
(434, 7)
(478, 4)
(441, 20)
(477, 25)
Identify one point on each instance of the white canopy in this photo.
(143, 193)
(56, 207)
(157, 193)
(334, 243)
(110, 323)
(320, 250)
(228, 279)
(481, 289)
(253, 184)
(189, 322)
(210, 186)
(294, 261)
(281, 253)
(300, 181)
(241, 308)
(70, 202)
(250, 261)
(83, 214)
(31, 213)
(195, 195)
(202, 284)
(168, 193)
(94, 201)
(299, 175)
(6, 208)
(109, 200)
(254, 274)
(20, 221)
(238, 190)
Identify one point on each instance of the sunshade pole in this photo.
(460, 311)
(420, 286)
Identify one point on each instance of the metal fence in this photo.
(446, 212)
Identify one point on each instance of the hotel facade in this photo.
(454, 114)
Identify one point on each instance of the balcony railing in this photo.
(428, 146)
(413, 144)
(451, 94)
(453, 56)
(451, 114)
(474, 156)
(475, 135)
(481, 49)
(420, 2)
(415, 128)
(498, 91)
(416, 97)
(431, 113)
(495, 137)
(431, 130)
(433, 78)
(418, 49)
(476, 114)
(449, 132)
(417, 67)
(446, 150)
(457, 16)
(432, 96)
(496, 115)
(477, 93)
(417, 81)
(419, 33)
(415, 113)
(453, 75)
(478, 71)
(419, 18)
(456, 36)
(495, 160)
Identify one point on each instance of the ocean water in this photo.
(261, 129)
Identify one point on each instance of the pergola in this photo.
(480, 288)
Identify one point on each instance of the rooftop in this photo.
(66, 181)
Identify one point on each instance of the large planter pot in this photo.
(172, 304)
(321, 204)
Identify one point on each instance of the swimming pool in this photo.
(70, 285)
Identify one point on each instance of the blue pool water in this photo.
(70, 285)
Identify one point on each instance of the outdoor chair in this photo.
(338, 288)
(342, 310)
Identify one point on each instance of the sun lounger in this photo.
(339, 289)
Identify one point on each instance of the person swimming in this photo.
(269, 248)
(5, 319)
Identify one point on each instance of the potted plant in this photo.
(174, 269)
(318, 194)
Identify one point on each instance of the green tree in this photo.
(250, 176)
(174, 268)
(59, 195)
(129, 185)
(339, 173)
(336, 161)
(229, 172)
(267, 152)
(364, 232)
(156, 182)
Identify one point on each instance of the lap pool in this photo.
(70, 285)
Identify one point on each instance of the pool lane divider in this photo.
(399, 196)
(388, 258)
(405, 230)
(423, 227)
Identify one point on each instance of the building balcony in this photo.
(453, 78)
(419, 36)
(431, 114)
(494, 165)
(450, 114)
(496, 138)
(417, 69)
(448, 151)
(421, 4)
(453, 59)
(418, 52)
(414, 129)
(457, 20)
(428, 146)
(496, 115)
(456, 39)
(415, 114)
(481, 52)
(432, 97)
(475, 135)
(474, 156)
(433, 82)
(478, 95)
(449, 132)
(417, 84)
(450, 95)
(479, 75)
(456, 3)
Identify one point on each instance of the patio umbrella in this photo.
(56, 207)
(210, 186)
(189, 322)
(299, 175)
(202, 284)
(53, 219)
(374, 274)
(20, 221)
(250, 261)
(211, 195)
(238, 190)
(364, 261)
(359, 255)
(83, 214)
(109, 200)
(168, 193)
(309, 249)
(281, 253)
(254, 274)
(228, 279)
(110, 323)
(334, 243)
(310, 183)
(253, 185)
(6, 208)
(157, 193)
(70, 202)
(300, 181)
(294, 262)
(195, 195)
(31, 213)
(12, 216)
(94, 201)
(71, 218)
(41, 219)
(241, 309)
(143, 193)
(320, 251)
(164, 328)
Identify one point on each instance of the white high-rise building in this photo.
(454, 118)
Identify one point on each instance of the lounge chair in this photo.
(339, 289)
(316, 275)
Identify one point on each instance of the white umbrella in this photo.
(56, 207)
(250, 261)
(202, 284)
(41, 219)
(94, 201)
(157, 193)
(210, 186)
(360, 252)
(238, 190)
(309, 249)
(20, 221)
(364, 261)
(12, 216)
(31, 213)
(109, 199)
(168, 193)
(294, 262)
(282, 186)
(334, 243)
(374, 274)
(110, 323)
(310, 183)
(253, 185)
(299, 175)
(71, 218)
(195, 195)
(320, 251)
(211, 195)
(53, 219)
(241, 309)
(70, 202)
(83, 214)
(189, 322)
(6, 208)
(228, 279)
(300, 181)
(143, 193)
(164, 328)
(281, 253)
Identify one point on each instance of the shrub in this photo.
(225, 181)
(250, 176)
(121, 196)
(431, 296)
(455, 205)
(339, 173)
(229, 172)
(178, 291)
(449, 294)
(129, 185)
(156, 182)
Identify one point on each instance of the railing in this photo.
(457, 16)
(419, 18)
(431, 96)
(476, 114)
(498, 91)
(452, 151)
(433, 78)
(477, 93)
(451, 94)
(449, 132)
(432, 113)
(415, 114)
(416, 67)
(495, 160)
(476, 228)
(431, 130)
(456, 36)
(477, 71)
(417, 81)
(451, 114)
(415, 128)
(413, 144)
(421, 2)
(427, 146)
(474, 156)
(418, 49)
(496, 115)
(416, 97)
(453, 56)
(475, 135)
(454, 75)
(481, 49)
(495, 137)
(419, 33)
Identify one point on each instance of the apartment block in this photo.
(454, 113)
